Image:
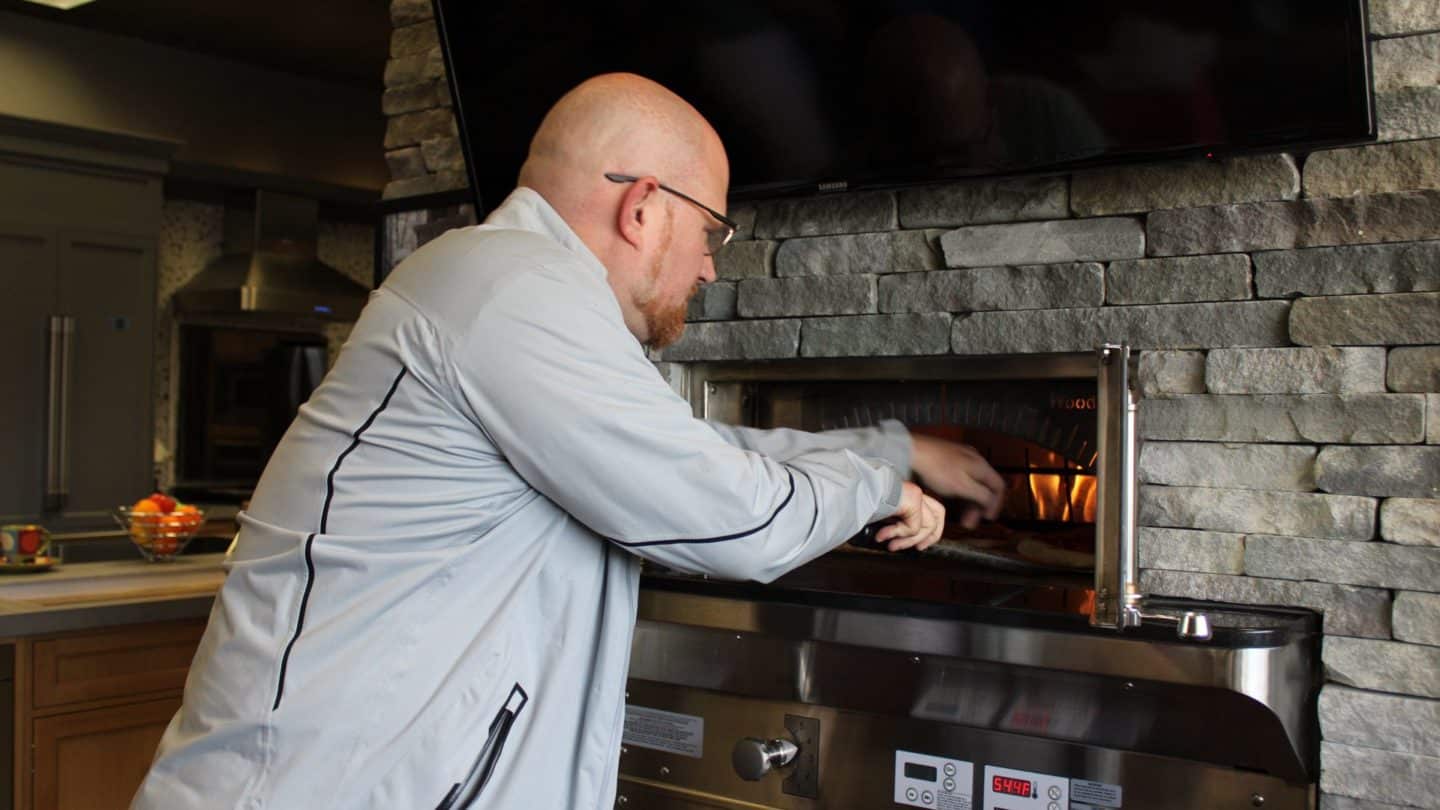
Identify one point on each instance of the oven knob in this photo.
(1194, 626)
(753, 758)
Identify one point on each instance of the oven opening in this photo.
(1039, 434)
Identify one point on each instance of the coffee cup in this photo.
(23, 543)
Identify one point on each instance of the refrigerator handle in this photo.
(57, 415)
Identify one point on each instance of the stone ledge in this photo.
(1389, 722)
(412, 128)
(1166, 373)
(814, 295)
(1177, 280)
(714, 302)
(1372, 565)
(1055, 242)
(1386, 776)
(1355, 270)
(1414, 368)
(1296, 371)
(1348, 419)
(894, 252)
(1330, 801)
(1395, 17)
(1184, 550)
(1295, 514)
(984, 201)
(859, 212)
(1408, 113)
(875, 335)
(1184, 184)
(412, 39)
(1410, 521)
(1412, 61)
(1376, 169)
(1164, 326)
(1348, 611)
(1367, 320)
(1398, 217)
(736, 340)
(405, 163)
(409, 12)
(425, 184)
(1385, 471)
(1417, 620)
(742, 260)
(1232, 466)
(994, 288)
(1384, 666)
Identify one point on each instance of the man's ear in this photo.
(638, 206)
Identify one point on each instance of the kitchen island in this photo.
(100, 653)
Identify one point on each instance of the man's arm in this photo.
(565, 393)
(948, 469)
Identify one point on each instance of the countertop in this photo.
(78, 596)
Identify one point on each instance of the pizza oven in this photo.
(1009, 667)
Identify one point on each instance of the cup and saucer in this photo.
(25, 549)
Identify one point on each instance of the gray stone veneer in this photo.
(1287, 312)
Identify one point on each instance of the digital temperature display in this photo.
(1011, 786)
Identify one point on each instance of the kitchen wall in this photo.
(1287, 309)
(191, 235)
(227, 115)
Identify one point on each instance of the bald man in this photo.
(431, 599)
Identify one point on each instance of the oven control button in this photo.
(1055, 792)
(912, 794)
(927, 798)
(753, 757)
(949, 785)
(949, 769)
(1052, 806)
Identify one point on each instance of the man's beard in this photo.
(664, 323)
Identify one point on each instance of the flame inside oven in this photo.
(1062, 498)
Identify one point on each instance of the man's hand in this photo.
(919, 521)
(953, 470)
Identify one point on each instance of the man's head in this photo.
(647, 221)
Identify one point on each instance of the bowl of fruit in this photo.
(160, 526)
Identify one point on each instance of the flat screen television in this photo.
(817, 95)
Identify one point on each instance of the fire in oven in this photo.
(1011, 666)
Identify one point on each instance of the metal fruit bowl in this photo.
(159, 537)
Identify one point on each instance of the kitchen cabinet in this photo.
(91, 709)
(78, 275)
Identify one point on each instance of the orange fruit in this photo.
(145, 505)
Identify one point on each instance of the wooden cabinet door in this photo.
(107, 285)
(28, 290)
(116, 663)
(95, 760)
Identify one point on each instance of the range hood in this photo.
(272, 269)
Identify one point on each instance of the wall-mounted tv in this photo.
(814, 95)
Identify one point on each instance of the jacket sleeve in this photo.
(566, 394)
(888, 441)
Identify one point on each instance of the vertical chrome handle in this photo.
(57, 416)
(1116, 567)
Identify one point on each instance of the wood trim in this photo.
(119, 661)
(24, 754)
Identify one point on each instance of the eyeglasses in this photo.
(715, 238)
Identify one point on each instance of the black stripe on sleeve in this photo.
(722, 538)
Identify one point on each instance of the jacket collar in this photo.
(526, 210)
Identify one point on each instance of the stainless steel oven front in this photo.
(1014, 667)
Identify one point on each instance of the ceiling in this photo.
(344, 41)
